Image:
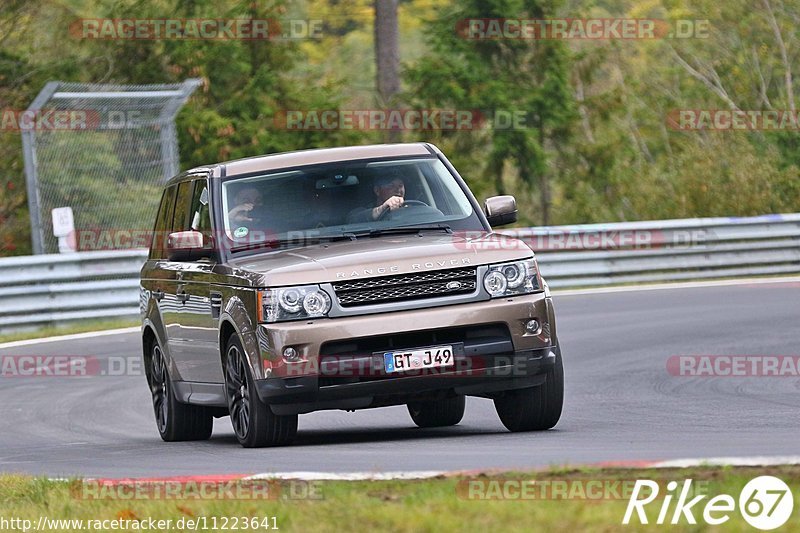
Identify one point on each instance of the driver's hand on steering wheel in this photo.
(395, 202)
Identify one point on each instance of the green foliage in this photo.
(595, 147)
(510, 501)
(502, 76)
(617, 159)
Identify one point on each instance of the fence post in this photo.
(31, 170)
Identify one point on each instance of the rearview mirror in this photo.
(501, 210)
(185, 246)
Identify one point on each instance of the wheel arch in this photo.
(149, 337)
(236, 319)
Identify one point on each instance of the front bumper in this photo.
(338, 368)
(304, 394)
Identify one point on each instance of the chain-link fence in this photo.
(104, 151)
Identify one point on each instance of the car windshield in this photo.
(345, 200)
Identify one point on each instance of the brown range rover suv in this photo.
(341, 278)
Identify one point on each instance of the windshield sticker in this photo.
(240, 232)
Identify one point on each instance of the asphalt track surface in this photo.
(621, 402)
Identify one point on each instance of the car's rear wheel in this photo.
(536, 408)
(253, 422)
(437, 413)
(176, 421)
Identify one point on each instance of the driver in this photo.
(389, 196)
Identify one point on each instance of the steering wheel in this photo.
(406, 203)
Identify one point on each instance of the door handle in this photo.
(158, 294)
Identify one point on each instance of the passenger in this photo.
(245, 201)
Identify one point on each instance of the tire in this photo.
(437, 413)
(254, 424)
(536, 408)
(176, 421)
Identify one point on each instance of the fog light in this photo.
(290, 354)
(532, 326)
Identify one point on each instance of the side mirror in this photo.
(185, 246)
(500, 210)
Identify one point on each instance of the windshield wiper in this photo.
(351, 236)
(254, 245)
(402, 230)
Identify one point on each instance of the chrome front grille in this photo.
(418, 285)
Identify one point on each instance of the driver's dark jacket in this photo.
(360, 214)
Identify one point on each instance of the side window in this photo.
(200, 215)
(201, 218)
(158, 244)
(192, 211)
(181, 221)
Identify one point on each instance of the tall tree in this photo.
(387, 56)
(521, 78)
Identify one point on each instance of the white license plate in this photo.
(405, 360)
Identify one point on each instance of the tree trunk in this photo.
(544, 185)
(387, 57)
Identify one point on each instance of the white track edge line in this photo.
(70, 337)
(787, 460)
(730, 461)
(352, 476)
(637, 465)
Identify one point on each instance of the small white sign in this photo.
(63, 221)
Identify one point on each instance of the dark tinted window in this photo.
(201, 219)
(200, 216)
(162, 226)
(182, 221)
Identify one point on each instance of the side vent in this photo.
(216, 304)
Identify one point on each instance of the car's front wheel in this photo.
(253, 422)
(176, 421)
(437, 413)
(536, 408)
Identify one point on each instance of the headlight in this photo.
(293, 303)
(508, 279)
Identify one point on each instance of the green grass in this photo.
(435, 505)
(68, 328)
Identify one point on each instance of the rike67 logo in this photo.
(765, 503)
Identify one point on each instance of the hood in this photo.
(389, 255)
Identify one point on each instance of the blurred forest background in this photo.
(597, 150)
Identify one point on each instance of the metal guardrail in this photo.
(665, 250)
(56, 288)
(52, 289)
